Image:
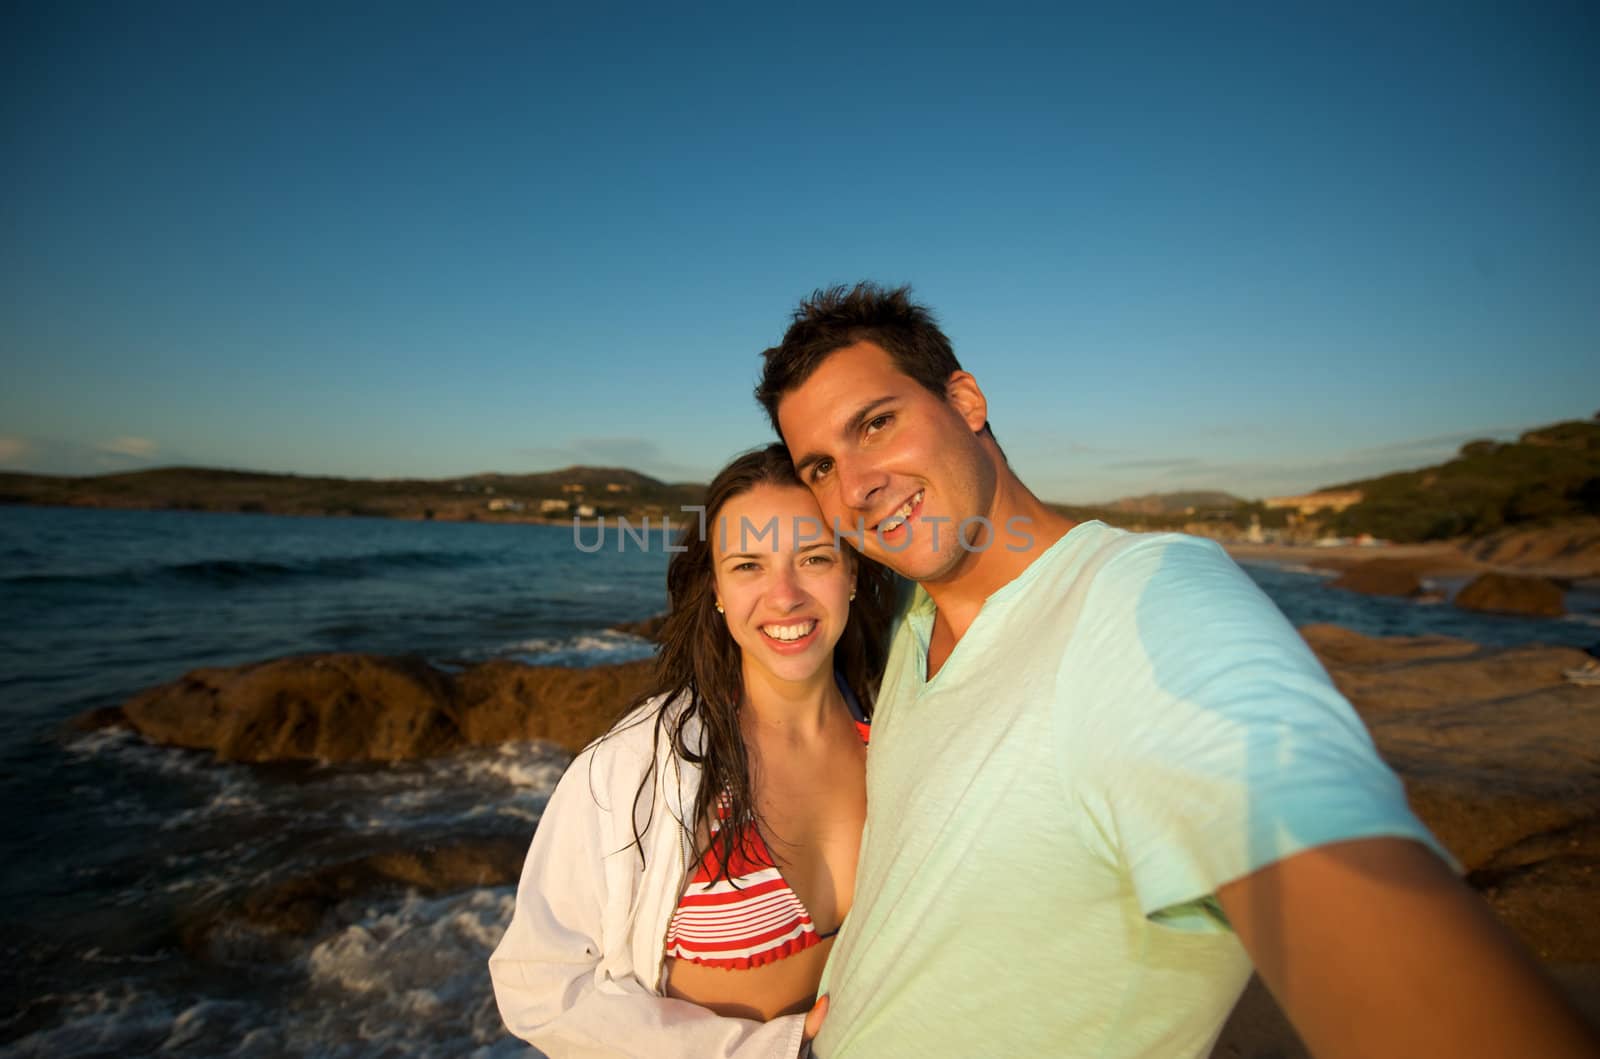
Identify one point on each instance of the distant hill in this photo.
(482, 497)
(1547, 474)
(1183, 503)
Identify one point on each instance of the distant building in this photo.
(553, 507)
(617, 487)
(1311, 503)
(501, 503)
(585, 511)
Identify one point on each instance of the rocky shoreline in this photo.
(1495, 747)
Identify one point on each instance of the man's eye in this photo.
(820, 469)
(877, 423)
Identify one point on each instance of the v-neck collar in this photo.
(922, 611)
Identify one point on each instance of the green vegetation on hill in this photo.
(1190, 502)
(485, 497)
(1547, 474)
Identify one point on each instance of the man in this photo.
(1106, 775)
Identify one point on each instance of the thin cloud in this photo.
(1439, 442)
(1259, 478)
(14, 453)
(132, 447)
(636, 454)
(1160, 463)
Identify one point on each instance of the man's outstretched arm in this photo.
(1374, 948)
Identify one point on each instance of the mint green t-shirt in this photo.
(1125, 727)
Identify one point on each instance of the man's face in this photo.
(880, 451)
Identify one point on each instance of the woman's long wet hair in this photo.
(699, 660)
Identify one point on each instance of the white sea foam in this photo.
(127, 748)
(412, 978)
(1314, 571)
(409, 978)
(512, 781)
(584, 649)
(240, 796)
(118, 1020)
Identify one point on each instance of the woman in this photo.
(692, 866)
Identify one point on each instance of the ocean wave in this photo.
(1313, 571)
(232, 573)
(584, 649)
(411, 978)
(510, 782)
(117, 1020)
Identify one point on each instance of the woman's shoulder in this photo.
(635, 737)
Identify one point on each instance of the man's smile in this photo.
(903, 514)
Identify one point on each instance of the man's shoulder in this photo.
(1107, 562)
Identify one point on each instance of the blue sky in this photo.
(1192, 246)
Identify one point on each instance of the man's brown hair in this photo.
(836, 317)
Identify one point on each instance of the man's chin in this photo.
(918, 565)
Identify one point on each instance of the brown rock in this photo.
(337, 707)
(1337, 646)
(96, 719)
(503, 701)
(1497, 753)
(1381, 577)
(1509, 594)
(649, 628)
(1570, 548)
(348, 707)
(1498, 756)
(299, 906)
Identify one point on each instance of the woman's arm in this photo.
(547, 973)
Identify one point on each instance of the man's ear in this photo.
(961, 390)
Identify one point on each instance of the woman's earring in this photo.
(852, 595)
(719, 605)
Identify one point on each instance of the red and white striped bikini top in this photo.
(750, 917)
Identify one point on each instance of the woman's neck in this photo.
(790, 711)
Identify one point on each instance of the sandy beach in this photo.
(1568, 551)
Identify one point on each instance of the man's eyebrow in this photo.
(851, 427)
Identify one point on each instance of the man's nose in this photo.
(860, 482)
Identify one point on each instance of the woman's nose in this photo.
(784, 591)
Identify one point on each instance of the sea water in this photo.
(111, 848)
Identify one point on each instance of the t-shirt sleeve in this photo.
(1206, 738)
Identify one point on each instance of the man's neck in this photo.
(1024, 528)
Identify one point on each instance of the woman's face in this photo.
(783, 585)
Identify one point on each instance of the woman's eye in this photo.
(825, 560)
(747, 565)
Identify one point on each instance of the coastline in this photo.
(1491, 743)
(1567, 551)
(363, 820)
